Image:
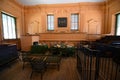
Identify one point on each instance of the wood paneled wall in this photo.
(62, 36)
(91, 19)
(112, 8)
(95, 18)
(16, 10)
(36, 17)
(10, 7)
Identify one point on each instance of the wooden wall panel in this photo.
(32, 19)
(62, 36)
(27, 41)
(36, 18)
(11, 7)
(112, 8)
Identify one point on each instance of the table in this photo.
(48, 59)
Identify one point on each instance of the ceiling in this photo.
(36, 2)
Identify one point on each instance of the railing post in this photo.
(97, 67)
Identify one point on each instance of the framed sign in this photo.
(62, 22)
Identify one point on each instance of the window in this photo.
(74, 21)
(118, 24)
(8, 26)
(50, 22)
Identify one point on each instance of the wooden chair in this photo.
(38, 65)
(25, 58)
(53, 60)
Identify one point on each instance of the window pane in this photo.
(118, 25)
(75, 25)
(5, 32)
(76, 16)
(13, 28)
(52, 26)
(72, 26)
(74, 21)
(48, 19)
(50, 22)
(52, 18)
(9, 30)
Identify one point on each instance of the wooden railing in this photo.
(102, 64)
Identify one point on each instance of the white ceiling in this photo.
(36, 2)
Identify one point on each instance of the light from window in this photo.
(118, 25)
(9, 26)
(50, 22)
(74, 21)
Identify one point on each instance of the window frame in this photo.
(7, 14)
(50, 23)
(75, 22)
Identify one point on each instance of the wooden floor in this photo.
(68, 71)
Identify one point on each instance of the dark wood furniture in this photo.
(53, 60)
(98, 60)
(47, 58)
(38, 65)
(25, 58)
(8, 53)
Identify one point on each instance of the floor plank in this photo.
(68, 71)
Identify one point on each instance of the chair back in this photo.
(38, 65)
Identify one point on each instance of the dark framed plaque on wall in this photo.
(62, 22)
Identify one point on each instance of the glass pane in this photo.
(118, 24)
(5, 31)
(9, 30)
(52, 26)
(74, 21)
(75, 16)
(52, 18)
(48, 18)
(75, 24)
(76, 27)
(72, 16)
(13, 28)
(72, 26)
(50, 22)
(48, 25)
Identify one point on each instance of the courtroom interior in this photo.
(59, 39)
